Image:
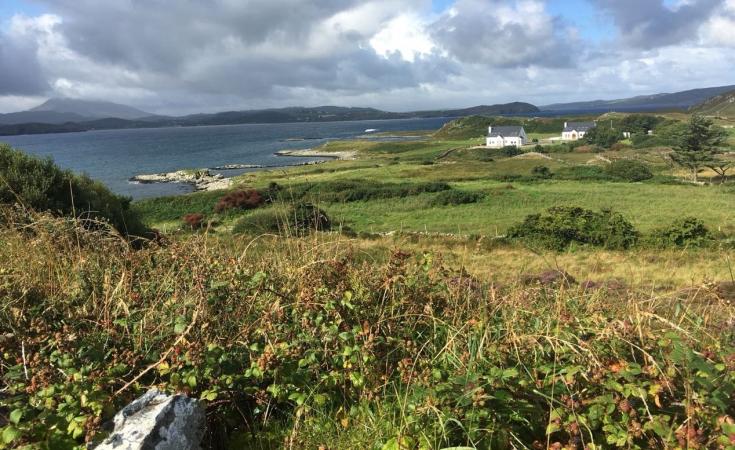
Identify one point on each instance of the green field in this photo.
(506, 201)
(390, 302)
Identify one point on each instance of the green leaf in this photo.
(10, 433)
(15, 416)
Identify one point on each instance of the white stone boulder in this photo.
(157, 421)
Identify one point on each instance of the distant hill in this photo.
(91, 109)
(58, 111)
(722, 105)
(282, 115)
(678, 100)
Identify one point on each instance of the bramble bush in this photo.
(561, 226)
(41, 185)
(302, 345)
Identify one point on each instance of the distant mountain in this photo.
(91, 109)
(57, 111)
(678, 100)
(282, 115)
(722, 105)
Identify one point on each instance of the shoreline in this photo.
(349, 155)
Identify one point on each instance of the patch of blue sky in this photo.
(585, 17)
(9, 8)
(439, 6)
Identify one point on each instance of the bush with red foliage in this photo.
(243, 199)
(194, 220)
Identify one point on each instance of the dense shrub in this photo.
(455, 197)
(603, 136)
(193, 220)
(541, 172)
(561, 226)
(684, 232)
(510, 151)
(240, 199)
(298, 219)
(41, 185)
(629, 170)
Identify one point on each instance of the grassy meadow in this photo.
(390, 302)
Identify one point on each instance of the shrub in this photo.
(193, 220)
(629, 170)
(41, 185)
(510, 151)
(603, 136)
(541, 172)
(684, 232)
(455, 197)
(307, 217)
(303, 217)
(561, 226)
(241, 199)
(583, 173)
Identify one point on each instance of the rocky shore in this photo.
(202, 180)
(311, 153)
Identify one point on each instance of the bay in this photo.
(114, 156)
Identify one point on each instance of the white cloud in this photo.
(392, 54)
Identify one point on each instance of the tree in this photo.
(698, 144)
(720, 167)
(603, 136)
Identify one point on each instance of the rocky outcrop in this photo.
(202, 180)
(157, 421)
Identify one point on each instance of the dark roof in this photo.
(579, 126)
(507, 131)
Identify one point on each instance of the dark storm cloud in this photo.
(248, 48)
(504, 34)
(20, 71)
(649, 24)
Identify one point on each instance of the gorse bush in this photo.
(629, 170)
(455, 197)
(295, 344)
(562, 225)
(240, 199)
(684, 232)
(41, 185)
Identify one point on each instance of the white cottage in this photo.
(499, 137)
(574, 131)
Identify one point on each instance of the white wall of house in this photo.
(500, 141)
(572, 135)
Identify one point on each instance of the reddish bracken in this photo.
(242, 199)
(194, 220)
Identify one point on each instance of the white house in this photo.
(499, 137)
(576, 130)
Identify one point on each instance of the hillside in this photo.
(677, 100)
(720, 105)
(475, 126)
(91, 109)
(32, 122)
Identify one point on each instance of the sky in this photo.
(186, 56)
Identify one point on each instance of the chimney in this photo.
(490, 130)
(565, 124)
